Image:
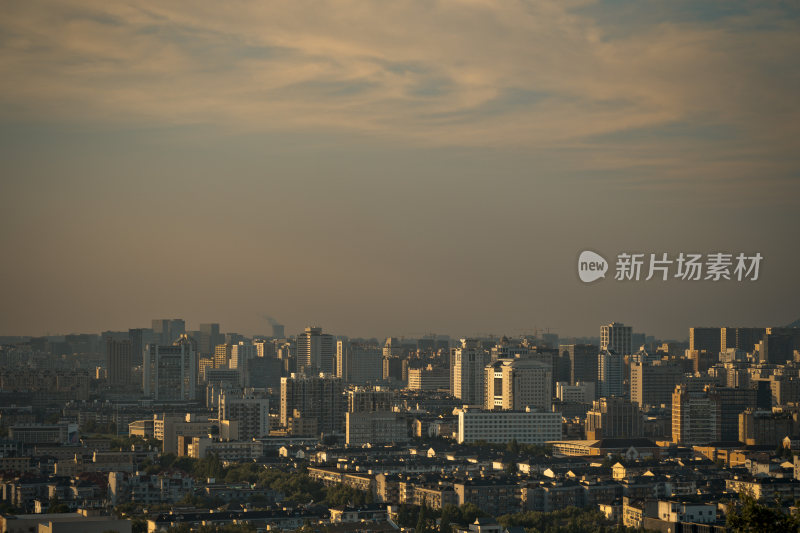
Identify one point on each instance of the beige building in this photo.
(469, 362)
(694, 417)
(428, 378)
(514, 384)
(167, 429)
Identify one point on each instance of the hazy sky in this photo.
(394, 168)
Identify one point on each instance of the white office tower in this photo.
(170, 372)
(358, 363)
(519, 383)
(610, 373)
(469, 362)
(316, 352)
(617, 337)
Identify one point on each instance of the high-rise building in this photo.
(707, 339)
(316, 352)
(222, 355)
(119, 362)
(652, 384)
(617, 337)
(744, 339)
(316, 400)
(729, 402)
(469, 362)
(170, 372)
(701, 359)
(209, 338)
(778, 345)
(610, 373)
(612, 418)
(358, 363)
(168, 330)
(582, 362)
(241, 356)
(514, 384)
(364, 400)
(249, 409)
(578, 393)
(140, 338)
(695, 417)
(428, 378)
(265, 348)
(765, 428)
(395, 368)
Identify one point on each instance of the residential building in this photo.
(617, 338)
(316, 352)
(170, 372)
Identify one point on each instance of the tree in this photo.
(422, 521)
(752, 516)
(449, 514)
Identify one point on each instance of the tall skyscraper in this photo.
(366, 400)
(222, 355)
(469, 364)
(170, 372)
(316, 352)
(617, 337)
(694, 417)
(743, 339)
(167, 330)
(314, 400)
(358, 363)
(119, 362)
(778, 345)
(140, 338)
(612, 418)
(582, 362)
(518, 383)
(209, 338)
(241, 355)
(652, 384)
(610, 373)
(707, 339)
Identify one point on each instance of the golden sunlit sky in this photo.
(393, 168)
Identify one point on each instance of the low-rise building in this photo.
(526, 427)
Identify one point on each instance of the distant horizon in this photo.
(292, 332)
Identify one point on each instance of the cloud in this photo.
(527, 75)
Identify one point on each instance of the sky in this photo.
(394, 168)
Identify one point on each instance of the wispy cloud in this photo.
(533, 75)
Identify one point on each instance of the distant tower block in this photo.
(277, 331)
